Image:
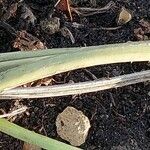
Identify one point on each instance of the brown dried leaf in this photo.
(26, 42)
(64, 6)
(27, 146)
(142, 32)
(42, 82)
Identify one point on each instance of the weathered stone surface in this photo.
(73, 126)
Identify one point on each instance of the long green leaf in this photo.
(32, 137)
(14, 63)
(14, 59)
(90, 56)
(32, 54)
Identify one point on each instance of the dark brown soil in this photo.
(120, 118)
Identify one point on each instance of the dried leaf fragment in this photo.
(42, 82)
(64, 6)
(27, 146)
(124, 16)
(145, 25)
(143, 32)
(25, 41)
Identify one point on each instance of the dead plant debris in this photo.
(142, 32)
(84, 11)
(64, 6)
(26, 42)
(42, 82)
(27, 146)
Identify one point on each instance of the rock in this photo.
(124, 16)
(73, 126)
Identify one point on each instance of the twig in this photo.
(82, 26)
(84, 11)
(107, 28)
(16, 112)
(77, 88)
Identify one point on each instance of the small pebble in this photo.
(73, 126)
(124, 16)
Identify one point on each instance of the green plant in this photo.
(32, 137)
(23, 67)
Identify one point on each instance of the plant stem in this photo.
(32, 137)
(76, 88)
(85, 57)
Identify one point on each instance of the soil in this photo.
(120, 118)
